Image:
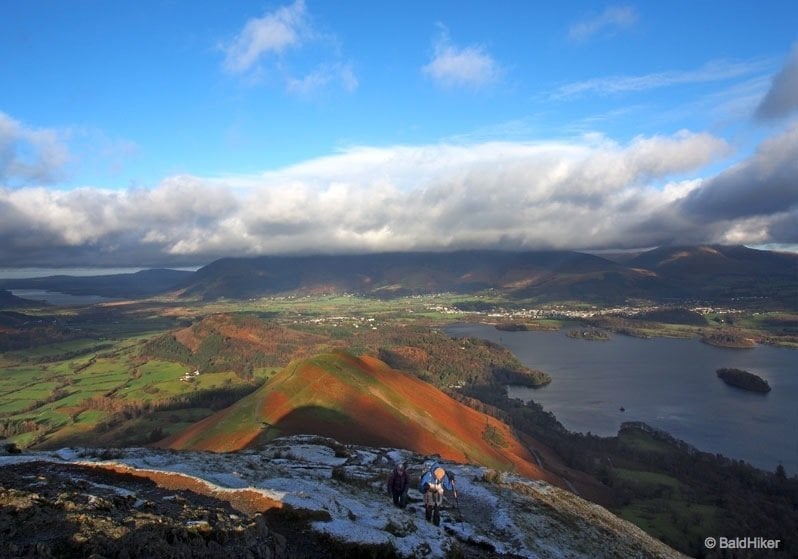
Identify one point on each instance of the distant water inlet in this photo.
(668, 383)
(57, 298)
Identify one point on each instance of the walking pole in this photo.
(457, 504)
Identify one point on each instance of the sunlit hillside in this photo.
(363, 401)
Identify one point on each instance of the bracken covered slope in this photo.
(360, 400)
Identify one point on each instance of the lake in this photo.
(668, 383)
(59, 299)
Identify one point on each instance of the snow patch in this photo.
(348, 483)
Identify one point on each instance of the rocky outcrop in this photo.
(299, 497)
(66, 510)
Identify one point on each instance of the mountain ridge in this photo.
(710, 272)
(360, 400)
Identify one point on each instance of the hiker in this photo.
(398, 482)
(432, 484)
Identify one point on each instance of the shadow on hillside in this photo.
(327, 422)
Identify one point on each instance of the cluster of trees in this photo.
(33, 336)
(11, 427)
(120, 410)
(727, 338)
(212, 398)
(622, 325)
(214, 354)
(448, 362)
(239, 343)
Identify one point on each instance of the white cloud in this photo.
(30, 155)
(782, 98)
(283, 40)
(611, 20)
(717, 70)
(453, 66)
(322, 77)
(271, 34)
(589, 194)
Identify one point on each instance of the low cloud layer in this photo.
(590, 195)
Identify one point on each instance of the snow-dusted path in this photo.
(345, 487)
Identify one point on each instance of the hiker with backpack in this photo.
(432, 484)
(398, 483)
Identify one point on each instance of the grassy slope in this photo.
(361, 400)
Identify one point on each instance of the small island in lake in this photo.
(588, 334)
(512, 327)
(535, 325)
(744, 379)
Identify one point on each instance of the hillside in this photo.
(10, 301)
(548, 274)
(299, 497)
(728, 274)
(360, 401)
(241, 343)
(715, 274)
(144, 283)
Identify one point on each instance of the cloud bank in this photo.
(591, 194)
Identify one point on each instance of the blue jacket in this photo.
(434, 477)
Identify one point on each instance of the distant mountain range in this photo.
(714, 274)
(145, 283)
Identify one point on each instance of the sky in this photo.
(172, 133)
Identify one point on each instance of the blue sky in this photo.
(145, 133)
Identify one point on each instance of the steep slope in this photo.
(360, 401)
(297, 497)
